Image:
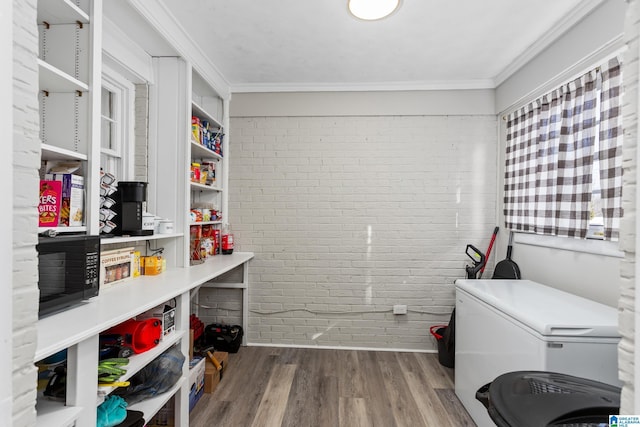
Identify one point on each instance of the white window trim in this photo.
(595, 246)
(116, 82)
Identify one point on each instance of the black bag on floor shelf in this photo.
(223, 337)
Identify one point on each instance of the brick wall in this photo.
(221, 305)
(626, 305)
(351, 215)
(141, 132)
(26, 161)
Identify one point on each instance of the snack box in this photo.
(72, 209)
(49, 203)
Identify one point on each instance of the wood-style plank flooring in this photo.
(273, 387)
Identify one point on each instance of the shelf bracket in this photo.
(46, 25)
(46, 92)
(79, 93)
(80, 25)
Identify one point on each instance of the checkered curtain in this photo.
(520, 168)
(610, 152)
(549, 160)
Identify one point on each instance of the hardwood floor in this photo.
(273, 387)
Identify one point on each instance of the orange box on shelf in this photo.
(151, 265)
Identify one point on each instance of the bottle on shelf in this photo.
(227, 240)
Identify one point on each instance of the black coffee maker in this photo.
(131, 203)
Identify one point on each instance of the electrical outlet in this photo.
(399, 309)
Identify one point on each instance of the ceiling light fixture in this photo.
(370, 10)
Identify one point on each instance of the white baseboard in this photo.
(331, 347)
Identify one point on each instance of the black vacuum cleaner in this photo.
(477, 258)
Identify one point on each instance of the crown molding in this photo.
(157, 14)
(565, 24)
(363, 87)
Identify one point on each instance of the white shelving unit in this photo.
(208, 106)
(70, 67)
(106, 241)
(199, 150)
(139, 361)
(77, 329)
(55, 80)
(51, 152)
(51, 414)
(153, 405)
(202, 187)
(61, 12)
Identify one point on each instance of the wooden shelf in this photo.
(202, 187)
(60, 12)
(200, 112)
(199, 151)
(105, 241)
(124, 301)
(53, 79)
(51, 152)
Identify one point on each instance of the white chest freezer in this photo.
(515, 325)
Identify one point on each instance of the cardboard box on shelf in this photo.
(212, 376)
(196, 381)
(115, 266)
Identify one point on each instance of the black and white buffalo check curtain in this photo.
(551, 147)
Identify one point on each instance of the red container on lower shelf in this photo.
(139, 335)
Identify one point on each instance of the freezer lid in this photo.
(546, 310)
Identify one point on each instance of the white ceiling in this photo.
(296, 44)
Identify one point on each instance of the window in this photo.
(117, 125)
(561, 149)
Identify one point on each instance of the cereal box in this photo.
(71, 211)
(49, 204)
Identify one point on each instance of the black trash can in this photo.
(446, 354)
(537, 398)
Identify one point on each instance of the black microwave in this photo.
(68, 271)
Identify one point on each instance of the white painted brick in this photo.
(627, 309)
(26, 161)
(359, 214)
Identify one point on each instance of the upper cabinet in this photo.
(69, 81)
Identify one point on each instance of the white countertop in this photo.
(125, 300)
(548, 311)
